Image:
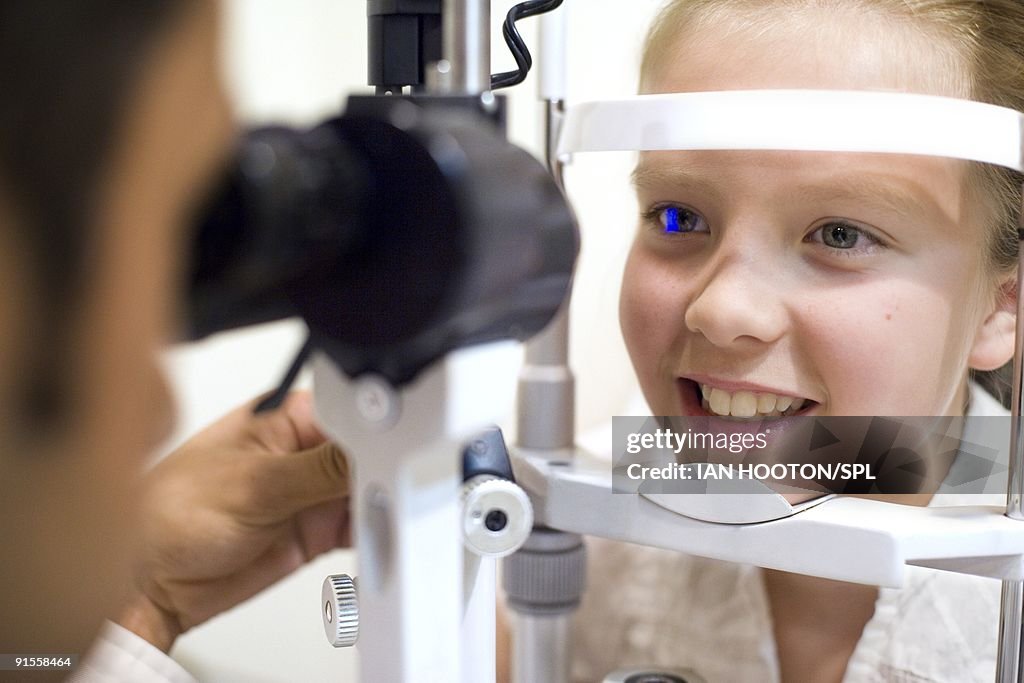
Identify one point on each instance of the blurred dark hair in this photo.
(67, 70)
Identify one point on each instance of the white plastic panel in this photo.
(843, 538)
(798, 120)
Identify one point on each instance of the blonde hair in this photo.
(985, 43)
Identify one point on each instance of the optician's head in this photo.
(111, 121)
(836, 284)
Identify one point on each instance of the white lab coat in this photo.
(119, 656)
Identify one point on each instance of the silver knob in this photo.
(340, 610)
(497, 516)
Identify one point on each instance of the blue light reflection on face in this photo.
(672, 219)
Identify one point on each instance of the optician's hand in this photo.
(241, 505)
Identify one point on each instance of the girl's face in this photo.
(836, 284)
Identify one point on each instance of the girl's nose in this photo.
(737, 301)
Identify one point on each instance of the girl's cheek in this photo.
(651, 314)
(876, 350)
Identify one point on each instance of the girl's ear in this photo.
(993, 343)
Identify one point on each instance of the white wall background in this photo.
(294, 62)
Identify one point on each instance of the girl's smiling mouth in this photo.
(705, 397)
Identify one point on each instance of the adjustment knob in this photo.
(497, 516)
(340, 610)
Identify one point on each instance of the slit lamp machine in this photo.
(413, 239)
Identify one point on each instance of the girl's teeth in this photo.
(747, 403)
(720, 401)
(744, 404)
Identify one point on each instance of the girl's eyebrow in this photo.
(896, 196)
(645, 177)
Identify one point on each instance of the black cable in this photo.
(515, 42)
(274, 399)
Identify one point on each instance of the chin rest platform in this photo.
(842, 538)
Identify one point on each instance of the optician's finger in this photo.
(290, 427)
(295, 482)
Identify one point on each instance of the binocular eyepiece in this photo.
(404, 229)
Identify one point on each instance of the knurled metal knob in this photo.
(340, 610)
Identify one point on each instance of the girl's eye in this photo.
(845, 237)
(676, 219)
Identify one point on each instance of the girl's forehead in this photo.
(807, 47)
(799, 167)
(843, 48)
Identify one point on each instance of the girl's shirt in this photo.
(648, 607)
